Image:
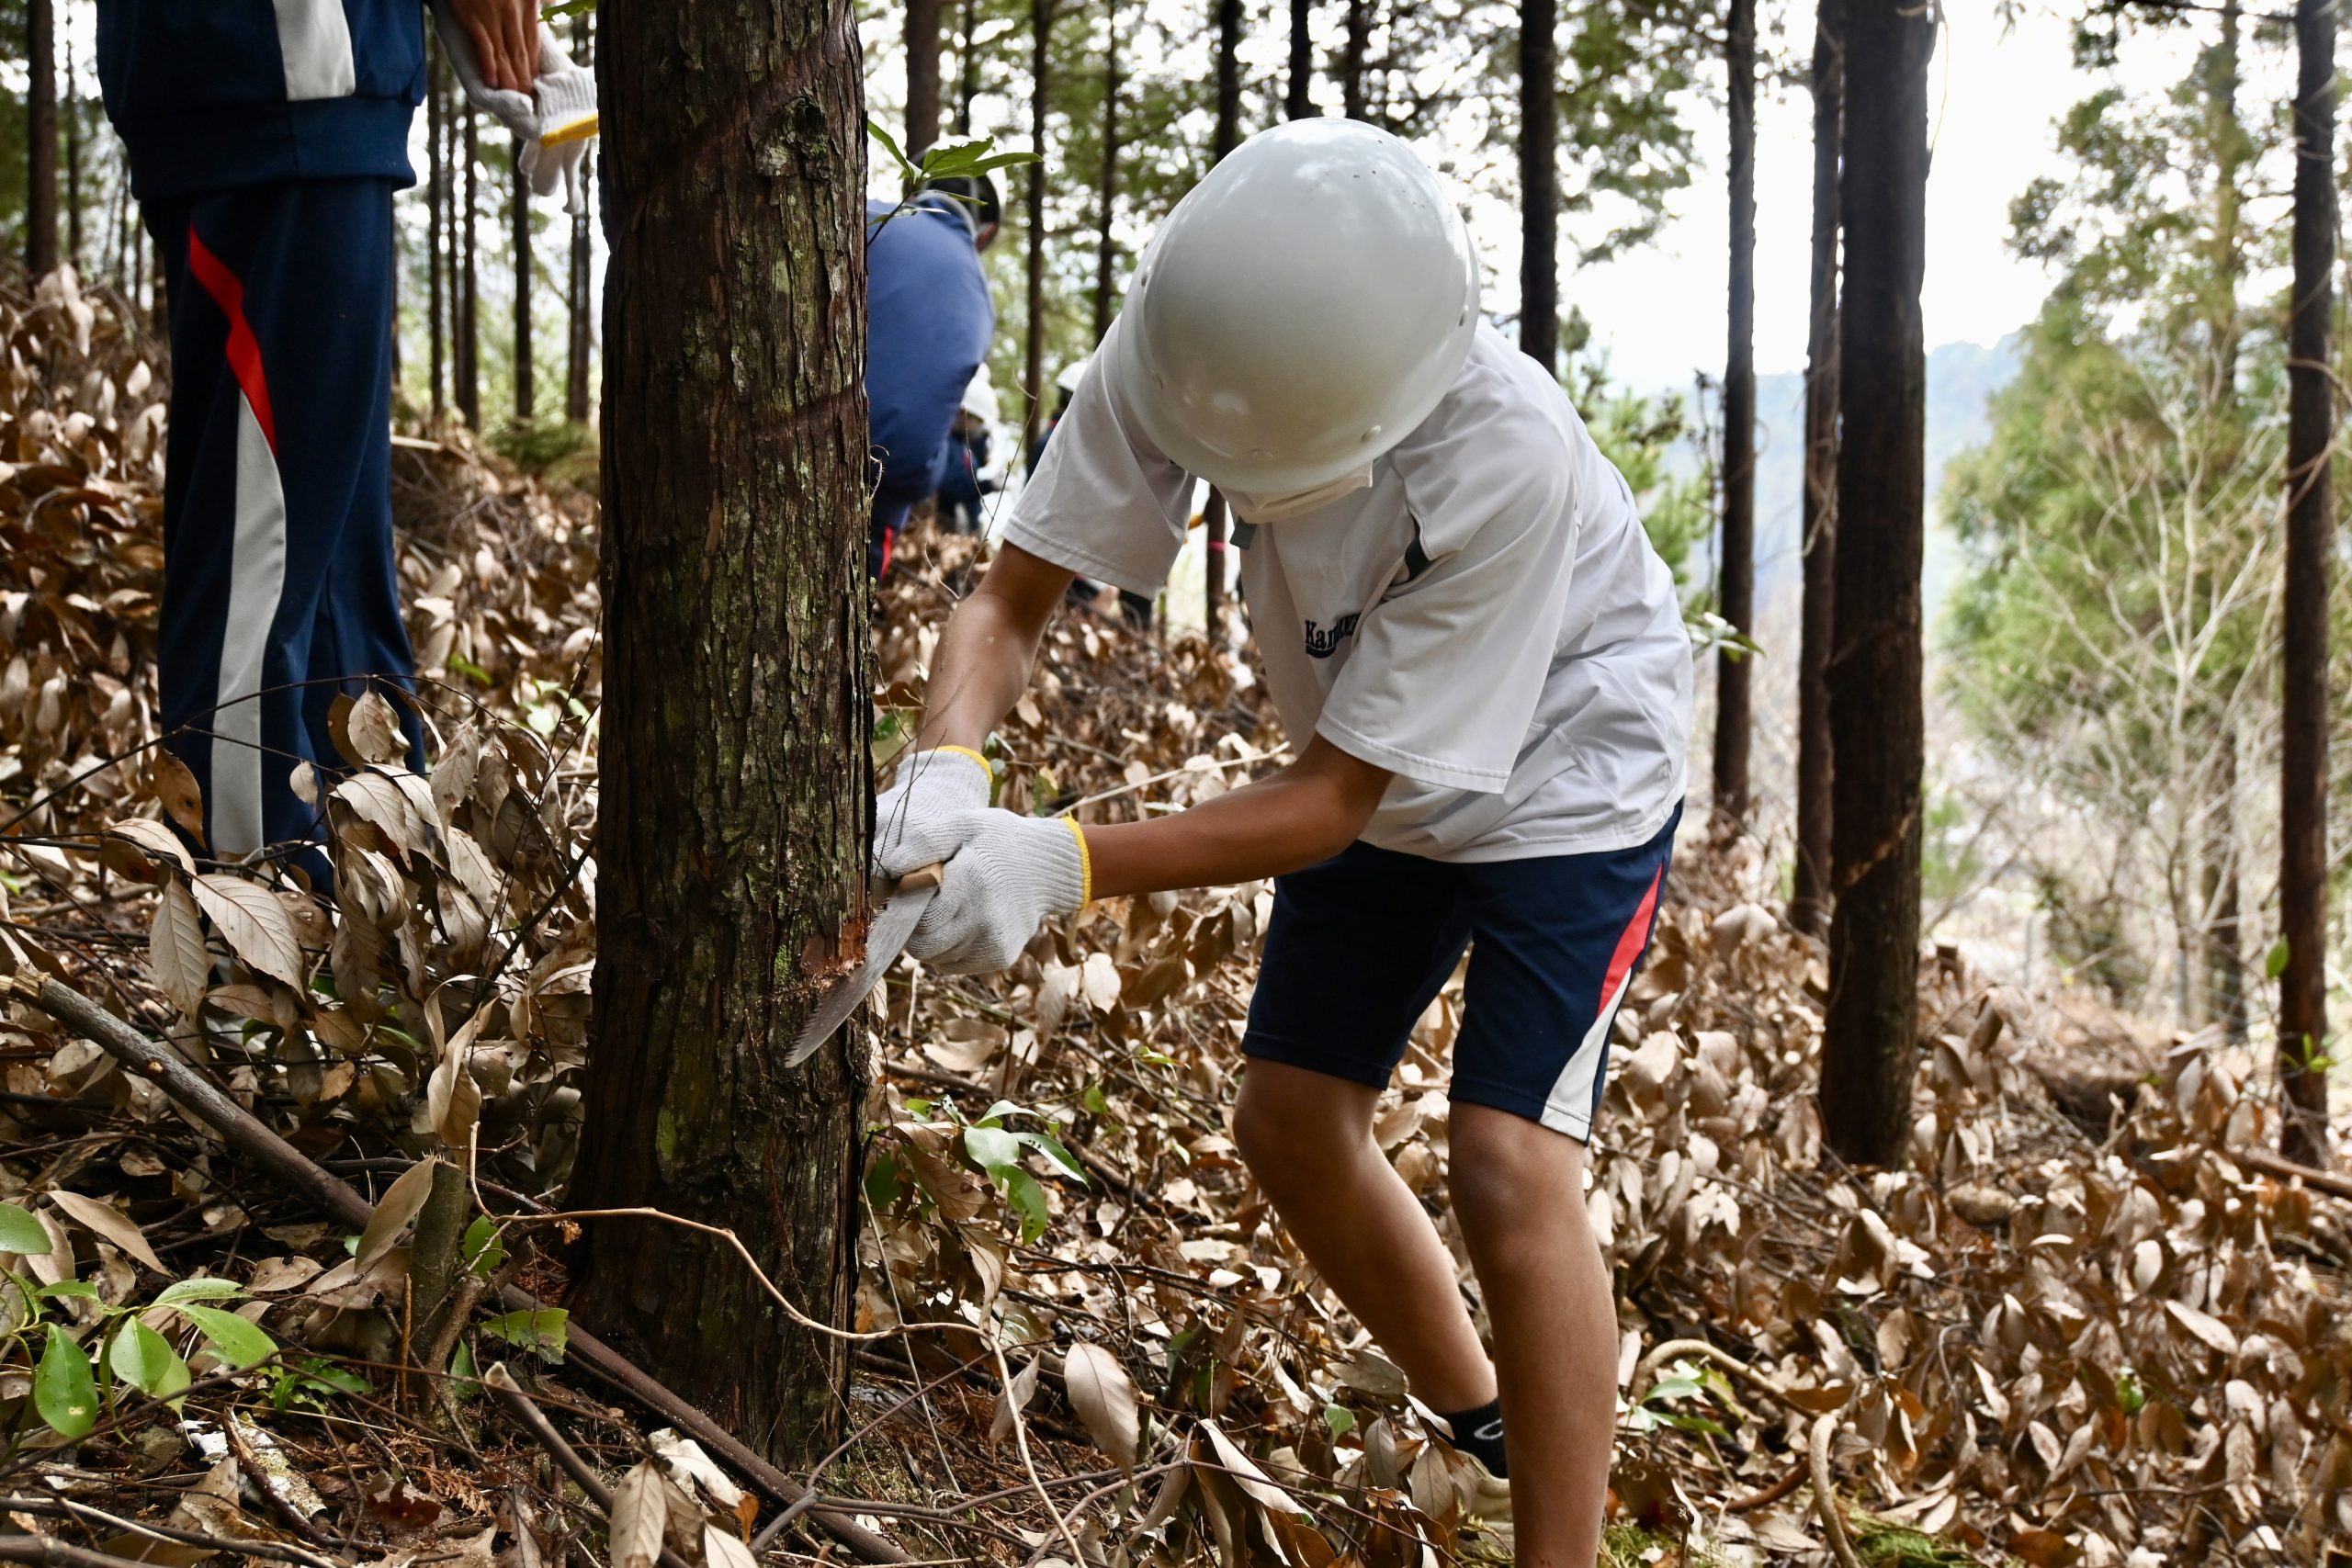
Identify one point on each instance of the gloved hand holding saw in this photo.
(553, 121)
(1006, 872)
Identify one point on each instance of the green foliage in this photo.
(1648, 439)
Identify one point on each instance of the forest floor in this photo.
(2088, 1321)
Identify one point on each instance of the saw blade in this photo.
(883, 941)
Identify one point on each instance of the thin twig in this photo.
(499, 1382)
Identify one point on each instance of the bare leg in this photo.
(1518, 1191)
(1308, 1138)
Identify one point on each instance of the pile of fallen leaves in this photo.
(2074, 1329)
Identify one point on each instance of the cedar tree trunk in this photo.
(1539, 186)
(923, 76)
(1738, 577)
(2311, 526)
(1809, 900)
(521, 219)
(436, 200)
(1106, 249)
(41, 137)
(1869, 1036)
(731, 845)
(1033, 368)
(1299, 103)
(1351, 102)
(469, 284)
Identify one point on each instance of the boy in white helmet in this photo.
(1482, 665)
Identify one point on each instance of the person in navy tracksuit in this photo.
(929, 320)
(266, 138)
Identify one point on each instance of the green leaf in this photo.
(22, 1234)
(1338, 1420)
(882, 1184)
(1027, 1197)
(1672, 1388)
(906, 169)
(64, 1392)
(1095, 1101)
(2275, 963)
(541, 1332)
(1045, 1144)
(200, 1289)
(144, 1359)
(993, 1149)
(240, 1343)
(485, 1247)
(80, 1288)
(1689, 1423)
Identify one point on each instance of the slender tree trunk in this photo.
(580, 342)
(1299, 103)
(968, 66)
(1106, 249)
(71, 109)
(1224, 139)
(41, 137)
(1809, 903)
(731, 852)
(923, 75)
(1539, 185)
(520, 213)
(1869, 1036)
(2224, 963)
(2311, 526)
(1359, 39)
(469, 282)
(2225, 981)
(437, 203)
(1733, 712)
(1032, 370)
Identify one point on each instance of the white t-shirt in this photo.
(1487, 620)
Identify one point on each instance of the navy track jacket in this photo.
(211, 94)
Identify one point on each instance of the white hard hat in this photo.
(979, 397)
(1067, 379)
(1302, 310)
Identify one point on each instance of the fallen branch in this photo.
(1825, 1493)
(243, 1132)
(2327, 1181)
(51, 1553)
(501, 1382)
(67, 1509)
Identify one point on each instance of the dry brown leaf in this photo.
(398, 1205)
(110, 1222)
(172, 783)
(175, 950)
(1105, 1398)
(253, 923)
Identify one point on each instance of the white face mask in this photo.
(1274, 507)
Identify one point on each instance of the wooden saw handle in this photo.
(921, 877)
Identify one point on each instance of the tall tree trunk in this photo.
(41, 137)
(1809, 901)
(1106, 249)
(1299, 102)
(1539, 186)
(2225, 979)
(968, 68)
(731, 852)
(71, 109)
(580, 342)
(1738, 576)
(1033, 369)
(1224, 139)
(437, 203)
(469, 281)
(923, 75)
(2311, 433)
(1351, 55)
(1869, 1036)
(520, 214)
(2225, 969)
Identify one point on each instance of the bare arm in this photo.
(984, 656)
(1308, 812)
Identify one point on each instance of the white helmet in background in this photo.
(1066, 381)
(1302, 310)
(979, 397)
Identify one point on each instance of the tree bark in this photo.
(968, 67)
(1106, 249)
(469, 289)
(1539, 185)
(1809, 900)
(520, 213)
(1227, 135)
(1033, 369)
(923, 75)
(1352, 101)
(1299, 102)
(41, 137)
(2225, 976)
(1869, 1035)
(436, 202)
(70, 109)
(731, 848)
(2311, 433)
(580, 342)
(1737, 578)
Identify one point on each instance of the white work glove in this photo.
(948, 780)
(553, 123)
(1006, 872)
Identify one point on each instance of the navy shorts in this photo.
(1360, 945)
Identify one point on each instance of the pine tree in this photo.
(1809, 899)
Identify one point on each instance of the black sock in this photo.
(1479, 1434)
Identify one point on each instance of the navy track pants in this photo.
(280, 585)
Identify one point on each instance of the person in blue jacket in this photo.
(929, 319)
(265, 140)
